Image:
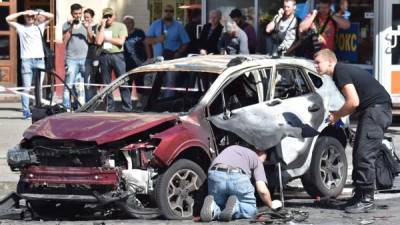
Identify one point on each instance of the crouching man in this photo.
(231, 194)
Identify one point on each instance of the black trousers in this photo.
(372, 123)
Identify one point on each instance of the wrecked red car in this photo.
(154, 161)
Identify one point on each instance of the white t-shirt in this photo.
(30, 40)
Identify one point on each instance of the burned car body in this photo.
(154, 161)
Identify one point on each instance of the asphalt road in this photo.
(12, 127)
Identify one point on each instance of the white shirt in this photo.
(30, 40)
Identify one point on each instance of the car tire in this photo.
(180, 190)
(327, 174)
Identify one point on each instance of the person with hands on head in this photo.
(31, 48)
(283, 28)
(366, 96)
(111, 36)
(231, 193)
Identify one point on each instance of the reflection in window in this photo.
(4, 48)
(396, 26)
(4, 12)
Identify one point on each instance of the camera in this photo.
(75, 22)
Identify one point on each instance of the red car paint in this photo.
(70, 175)
(98, 127)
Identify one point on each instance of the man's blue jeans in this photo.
(223, 184)
(75, 73)
(27, 66)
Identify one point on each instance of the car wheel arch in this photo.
(335, 132)
(196, 154)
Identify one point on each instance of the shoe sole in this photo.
(206, 210)
(365, 210)
(227, 213)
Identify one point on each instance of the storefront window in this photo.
(182, 8)
(356, 44)
(4, 11)
(4, 48)
(226, 6)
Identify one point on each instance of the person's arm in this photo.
(271, 25)
(100, 34)
(351, 103)
(341, 22)
(12, 17)
(119, 41)
(67, 32)
(307, 22)
(264, 194)
(244, 46)
(90, 33)
(49, 16)
(184, 37)
(147, 48)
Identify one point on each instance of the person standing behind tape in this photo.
(134, 54)
(75, 37)
(91, 70)
(31, 47)
(208, 42)
(111, 36)
(283, 28)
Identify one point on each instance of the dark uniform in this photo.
(375, 115)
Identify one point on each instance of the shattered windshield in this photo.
(171, 91)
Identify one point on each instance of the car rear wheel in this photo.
(180, 190)
(327, 174)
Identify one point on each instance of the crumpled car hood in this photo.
(98, 127)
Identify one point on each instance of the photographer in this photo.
(325, 24)
(283, 28)
(75, 37)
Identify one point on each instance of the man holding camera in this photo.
(75, 37)
(283, 28)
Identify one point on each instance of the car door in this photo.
(291, 117)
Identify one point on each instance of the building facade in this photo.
(373, 41)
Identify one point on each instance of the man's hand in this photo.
(333, 118)
(161, 38)
(86, 25)
(30, 13)
(103, 22)
(280, 13)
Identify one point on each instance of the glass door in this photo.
(8, 45)
(388, 48)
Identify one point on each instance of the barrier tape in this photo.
(20, 90)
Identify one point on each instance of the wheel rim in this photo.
(331, 167)
(181, 188)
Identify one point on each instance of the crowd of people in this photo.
(113, 46)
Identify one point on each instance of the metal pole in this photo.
(281, 185)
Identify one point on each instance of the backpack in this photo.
(386, 168)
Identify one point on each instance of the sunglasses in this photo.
(107, 16)
(168, 10)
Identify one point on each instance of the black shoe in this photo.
(227, 213)
(206, 213)
(364, 205)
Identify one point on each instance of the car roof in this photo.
(217, 63)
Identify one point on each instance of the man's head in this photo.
(215, 17)
(108, 14)
(262, 154)
(129, 22)
(324, 7)
(76, 12)
(289, 7)
(230, 28)
(325, 61)
(237, 16)
(168, 13)
(30, 18)
(88, 15)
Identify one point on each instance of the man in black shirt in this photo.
(369, 98)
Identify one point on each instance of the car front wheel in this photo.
(327, 174)
(180, 190)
